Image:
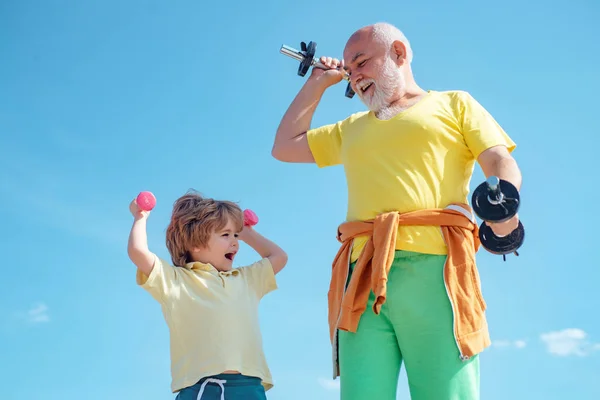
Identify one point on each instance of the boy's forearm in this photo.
(265, 247)
(138, 239)
(137, 247)
(259, 243)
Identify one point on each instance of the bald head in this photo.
(381, 34)
(362, 33)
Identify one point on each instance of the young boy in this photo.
(210, 307)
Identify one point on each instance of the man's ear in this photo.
(399, 49)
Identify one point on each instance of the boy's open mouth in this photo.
(230, 256)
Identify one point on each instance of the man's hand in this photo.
(327, 78)
(504, 228)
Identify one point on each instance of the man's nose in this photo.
(355, 81)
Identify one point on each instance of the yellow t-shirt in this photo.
(212, 318)
(420, 159)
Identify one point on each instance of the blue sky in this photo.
(101, 100)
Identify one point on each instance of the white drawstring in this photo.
(218, 382)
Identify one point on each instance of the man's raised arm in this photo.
(291, 143)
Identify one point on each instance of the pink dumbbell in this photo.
(146, 201)
(250, 218)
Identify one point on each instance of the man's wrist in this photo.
(316, 86)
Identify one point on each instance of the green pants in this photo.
(414, 327)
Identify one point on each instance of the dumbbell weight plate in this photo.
(488, 211)
(501, 245)
(349, 91)
(310, 51)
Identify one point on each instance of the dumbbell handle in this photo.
(300, 56)
(495, 195)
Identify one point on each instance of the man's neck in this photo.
(410, 96)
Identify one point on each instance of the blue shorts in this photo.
(225, 386)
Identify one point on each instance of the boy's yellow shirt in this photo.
(212, 318)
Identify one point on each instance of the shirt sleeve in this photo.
(260, 277)
(479, 128)
(325, 144)
(160, 281)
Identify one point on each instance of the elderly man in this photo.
(404, 286)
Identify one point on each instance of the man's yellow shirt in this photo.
(422, 158)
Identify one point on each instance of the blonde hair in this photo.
(194, 219)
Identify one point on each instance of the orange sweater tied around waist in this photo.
(461, 278)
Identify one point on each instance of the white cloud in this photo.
(37, 314)
(569, 342)
(329, 384)
(518, 344)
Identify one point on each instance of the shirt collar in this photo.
(200, 266)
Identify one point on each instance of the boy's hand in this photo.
(246, 231)
(136, 211)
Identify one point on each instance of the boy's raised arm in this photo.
(265, 247)
(137, 247)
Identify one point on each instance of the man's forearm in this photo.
(497, 161)
(507, 169)
(298, 116)
(504, 167)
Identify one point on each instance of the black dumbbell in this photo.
(497, 200)
(306, 56)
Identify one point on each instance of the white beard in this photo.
(389, 83)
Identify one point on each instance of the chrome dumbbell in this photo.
(306, 56)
